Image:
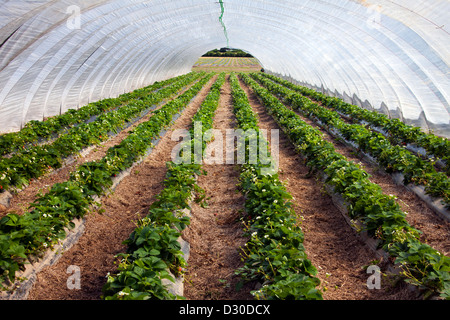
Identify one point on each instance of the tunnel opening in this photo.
(227, 59)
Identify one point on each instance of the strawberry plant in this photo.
(153, 249)
(397, 131)
(34, 232)
(423, 266)
(35, 131)
(29, 164)
(274, 255)
(380, 214)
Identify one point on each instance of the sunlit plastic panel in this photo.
(390, 56)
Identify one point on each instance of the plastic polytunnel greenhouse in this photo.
(91, 92)
(392, 56)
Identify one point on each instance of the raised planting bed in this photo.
(274, 255)
(378, 214)
(153, 266)
(28, 237)
(17, 171)
(418, 175)
(433, 148)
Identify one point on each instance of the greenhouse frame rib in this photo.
(379, 54)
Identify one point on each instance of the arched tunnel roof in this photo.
(393, 56)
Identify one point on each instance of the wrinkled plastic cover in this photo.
(391, 56)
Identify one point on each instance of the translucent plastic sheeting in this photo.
(392, 56)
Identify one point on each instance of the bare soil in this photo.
(21, 200)
(95, 251)
(333, 247)
(226, 69)
(435, 230)
(215, 233)
(233, 66)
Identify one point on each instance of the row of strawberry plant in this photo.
(380, 214)
(153, 252)
(35, 131)
(29, 235)
(17, 171)
(392, 158)
(397, 131)
(275, 254)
